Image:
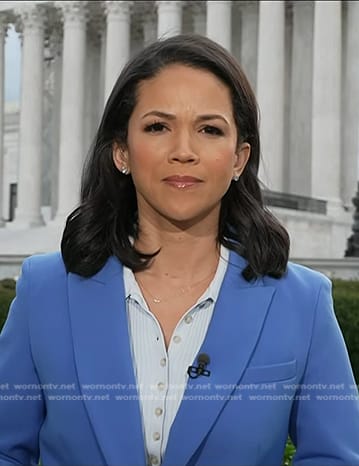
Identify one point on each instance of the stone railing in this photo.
(10, 265)
(346, 268)
(295, 202)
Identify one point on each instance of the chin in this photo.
(187, 219)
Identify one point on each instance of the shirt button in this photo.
(156, 436)
(188, 319)
(160, 385)
(158, 411)
(163, 362)
(154, 459)
(177, 339)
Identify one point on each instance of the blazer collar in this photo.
(232, 335)
(103, 356)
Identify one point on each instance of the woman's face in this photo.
(182, 146)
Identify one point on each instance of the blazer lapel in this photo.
(235, 327)
(104, 363)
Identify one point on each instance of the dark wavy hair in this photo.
(106, 218)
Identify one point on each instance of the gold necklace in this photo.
(180, 292)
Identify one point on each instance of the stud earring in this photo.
(235, 178)
(124, 170)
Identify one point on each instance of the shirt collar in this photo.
(132, 289)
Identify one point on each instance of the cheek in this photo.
(223, 163)
(139, 154)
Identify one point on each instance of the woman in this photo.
(172, 329)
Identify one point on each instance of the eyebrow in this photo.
(170, 116)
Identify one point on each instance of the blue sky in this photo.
(12, 66)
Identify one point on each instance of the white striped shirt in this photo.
(162, 375)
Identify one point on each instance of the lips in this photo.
(182, 181)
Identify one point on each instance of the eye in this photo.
(156, 127)
(212, 130)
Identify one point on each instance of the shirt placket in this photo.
(158, 390)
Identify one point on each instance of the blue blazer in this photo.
(278, 365)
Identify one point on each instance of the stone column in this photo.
(236, 34)
(3, 28)
(28, 211)
(92, 81)
(55, 44)
(169, 18)
(326, 101)
(117, 41)
(71, 151)
(149, 24)
(102, 73)
(249, 38)
(199, 18)
(350, 115)
(219, 20)
(270, 91)
(300, 128)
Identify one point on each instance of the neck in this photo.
(182, 253)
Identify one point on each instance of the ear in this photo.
(120, 158)
(242, 156)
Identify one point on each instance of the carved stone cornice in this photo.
(74, 12)
(197, 7)
(29, 18)
(143, 8)
(118, 9)
(4, 25)
(169, 5)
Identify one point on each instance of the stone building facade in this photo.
(302, 59)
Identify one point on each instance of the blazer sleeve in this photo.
(325, 418)
(22, 409)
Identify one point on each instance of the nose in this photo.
(182, 150)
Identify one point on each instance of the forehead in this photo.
(179, 84)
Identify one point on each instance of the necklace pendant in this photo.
(156, 300)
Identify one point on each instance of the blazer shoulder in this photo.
(301, 273)
(300, 278)
(44, 268)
